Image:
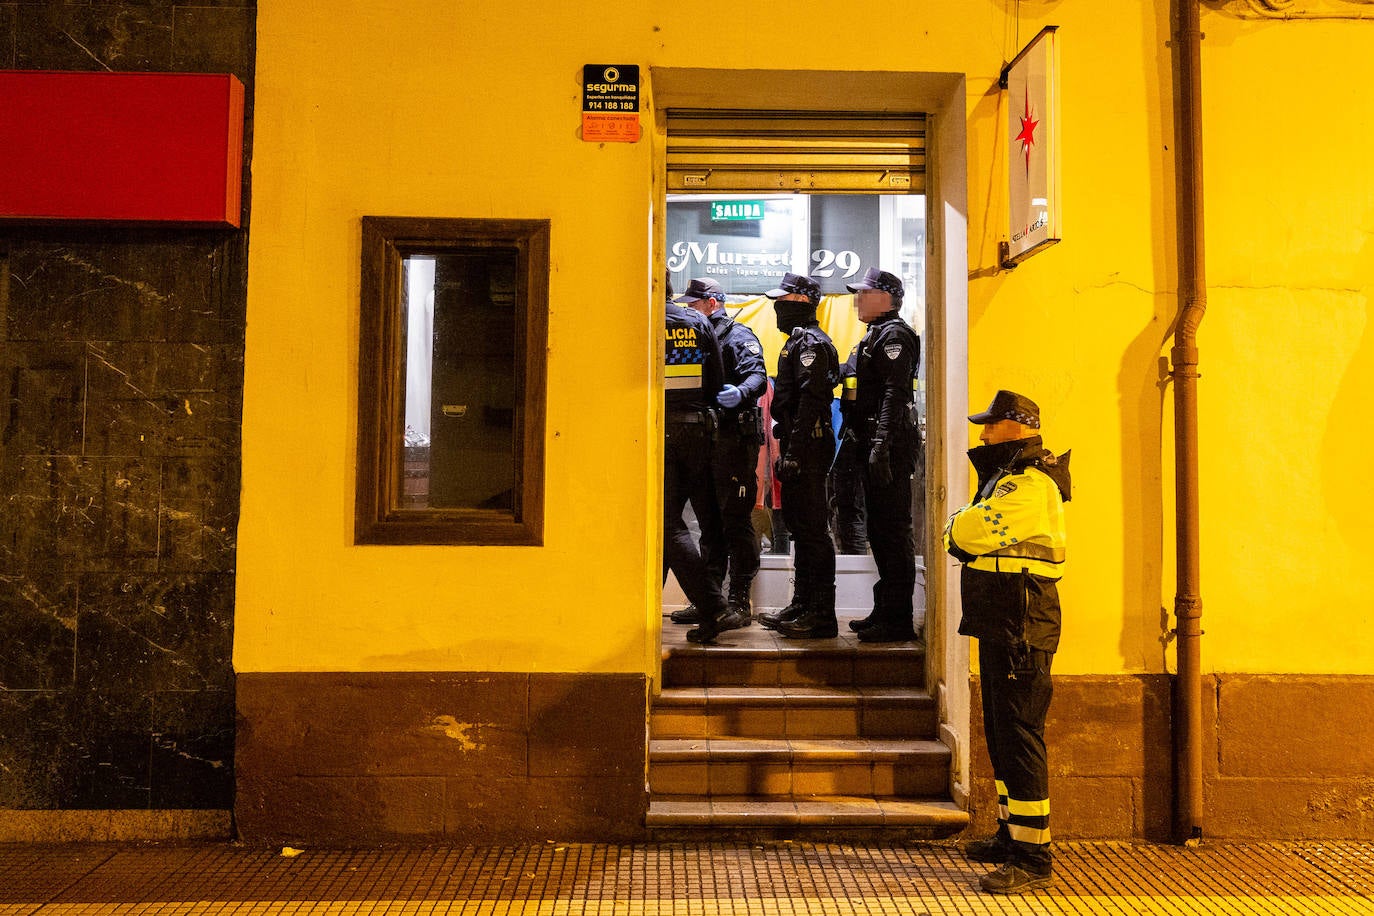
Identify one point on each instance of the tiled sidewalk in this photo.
(683, 880)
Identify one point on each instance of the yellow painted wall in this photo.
(431, 109)
(1288, 347)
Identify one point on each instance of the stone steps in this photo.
(800, 768)
(760, 736)
(793, 712)
(751, 817)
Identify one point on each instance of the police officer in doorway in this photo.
(808, 369)
(692, 377)
(887, 440)
(1011, 540)
(736, 456)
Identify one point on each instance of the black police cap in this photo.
(796, 283)
(702, 288)
(1008, 405)
(880, 280)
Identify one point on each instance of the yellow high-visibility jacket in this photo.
(1020, 525)
(1012, 542)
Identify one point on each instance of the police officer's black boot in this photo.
(858, 626)
(709, 627)
(688, 615)
(875, 617)
(795, 608)
(817, 621)
(891, 629)
(738, 612)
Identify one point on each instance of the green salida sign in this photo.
(736, 209)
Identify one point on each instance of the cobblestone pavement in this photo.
(777, 879)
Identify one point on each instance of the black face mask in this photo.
(792, 315)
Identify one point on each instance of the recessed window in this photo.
(451, 369)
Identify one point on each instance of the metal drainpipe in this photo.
(1188, 813)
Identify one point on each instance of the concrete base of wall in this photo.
(1285, 757)
(115, 826)
(480, 757)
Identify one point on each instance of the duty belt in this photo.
(704, 416)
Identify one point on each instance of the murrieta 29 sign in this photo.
(736, 209)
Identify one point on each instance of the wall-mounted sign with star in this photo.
(1031, 83)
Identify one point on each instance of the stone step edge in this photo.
(786, 811)
(783, 750)
(841, 697)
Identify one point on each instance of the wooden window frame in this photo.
(386, 242)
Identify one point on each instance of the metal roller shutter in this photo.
(796, 152)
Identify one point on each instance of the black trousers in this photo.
(733, 487)
(847, 501)
(807, 514)
(1016, 696)
(890, 539)
(687, 469)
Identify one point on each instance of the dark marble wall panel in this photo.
(87, 750)
(212, 39)
(121, 356)
(110, 757)
(7, 18)
(43, 383)
(37, 634)
(124, 285)
(114, 36)
(137, 634)
(192, 765)
(37, 747)
(196, 527)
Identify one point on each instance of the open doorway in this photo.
(761, 134)
(746, 242)
(755, 193)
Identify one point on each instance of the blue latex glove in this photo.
(729, 396)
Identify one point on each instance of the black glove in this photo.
(787, 468)
(879, 467)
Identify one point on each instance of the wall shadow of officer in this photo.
(808, 370)
(886, 441)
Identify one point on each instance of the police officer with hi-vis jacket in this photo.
(887, 439)
(808, 369)
(736, 456)
(692, 377)
(1011, 540)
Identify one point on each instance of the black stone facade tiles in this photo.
(8, 14)
(113, 36)
(121, 368)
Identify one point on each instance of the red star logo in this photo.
(1027, 135)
